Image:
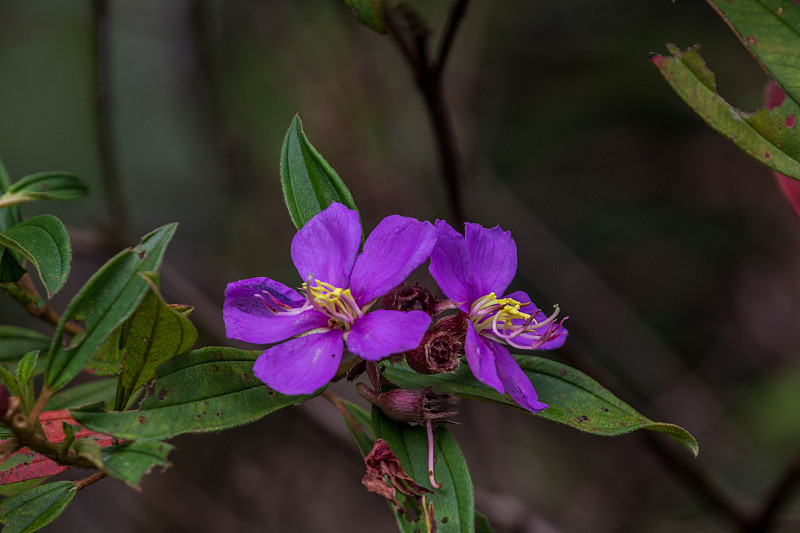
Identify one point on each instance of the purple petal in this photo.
(247, 317)
(393, 250)
(382, 333)
(516, 382)
(559, 334)
(494, 258)
(326, 247)
(480, 353)
(451, 267)
(302, 365)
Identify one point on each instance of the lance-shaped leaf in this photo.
(106, 360)
(574, 398)
(35, 508)
(44, 242)
(106, 301)
(358, 422)
(369, 13)
(309, 183)
(770, 30)
(16, 342)
(205, 390)
(99, 390)
(10, 489)
(454, 503)
(26, 367)
(769, 136)
(44, 186)
(157, 333)
(129, 462)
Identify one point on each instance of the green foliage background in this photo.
(674, 254)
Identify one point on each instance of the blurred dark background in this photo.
(675, 256)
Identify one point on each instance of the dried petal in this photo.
(381, 461)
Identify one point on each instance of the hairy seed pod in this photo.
(410, 298)
(413, 406)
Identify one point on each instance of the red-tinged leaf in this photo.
(25, 464)
(28, 465)
(52, 422)
(774, 97)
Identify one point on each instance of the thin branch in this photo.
(783, 489)
(403, 23)
(117, 211)
(25, 293)
(457, 13)
(44, 395)
(85, 482)
(396, 33)
(28, 432)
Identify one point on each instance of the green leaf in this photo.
(574, 398)
(309, 183)
(205, 390)
(11, 269)
(482, 524)
(769, 136)
(157, 333)
(69, 437)
(35, 508)
(369, 13)
(9, 216)
(26, 367)
(769, 31)
(10, 489)
(16, 342)
(44, 186)
(11, 382)
(89, 449)
(106, 301)
(358, 422)
(42, 240)
(129, 462)
(85, 393)
(454, 503)
(106, 360)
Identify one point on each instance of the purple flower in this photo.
(472, 271)
(340, 287)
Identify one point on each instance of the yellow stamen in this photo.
(337, 303)
(511, 309)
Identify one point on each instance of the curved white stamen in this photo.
(503, 320)
(282, 308)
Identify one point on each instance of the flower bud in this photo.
(440, 348)
(410, 298)
(410, 406)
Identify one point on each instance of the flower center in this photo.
(335, 302)
(502, 318)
